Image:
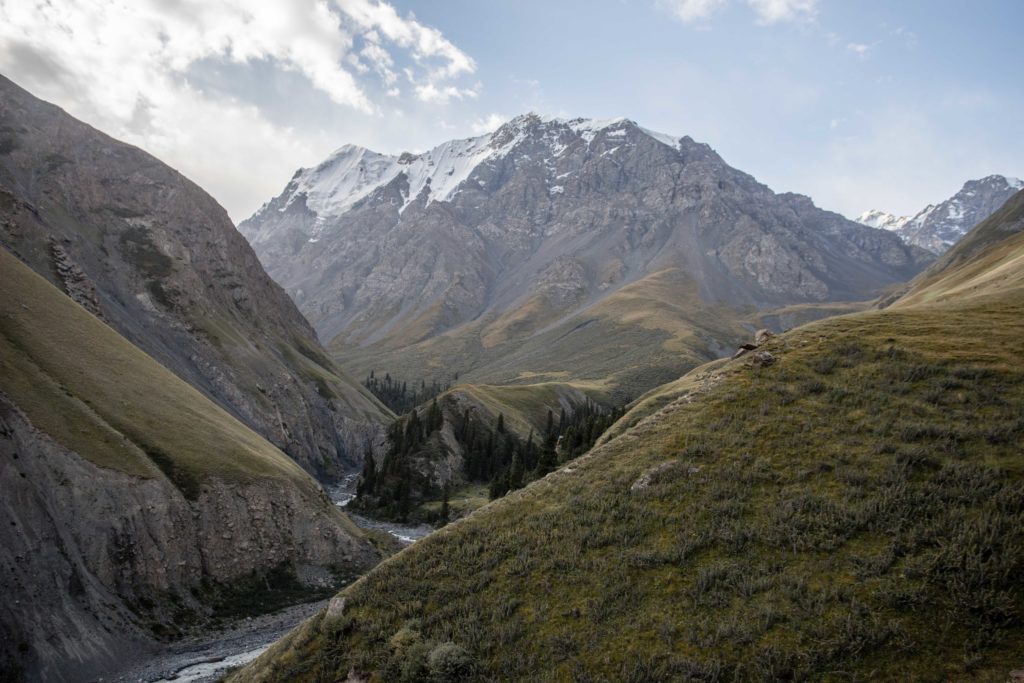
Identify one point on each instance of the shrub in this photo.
(450, 663)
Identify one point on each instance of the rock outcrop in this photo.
(91, 558)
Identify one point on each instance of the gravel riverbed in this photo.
(207, 657)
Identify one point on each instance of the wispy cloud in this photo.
(430, 92)
(692, 10)
(766, 11)
(775, 11)
(860, 49)
(488, 123)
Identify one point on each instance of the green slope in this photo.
(852, 511)
(97, 394)
(649, 332)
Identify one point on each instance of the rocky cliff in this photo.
(152, 254)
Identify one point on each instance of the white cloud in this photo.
(124, 67)
(859, 49)
(424, 41)
(488, 123)
(692, 10)
(774, 11)
(429, 92)
(767, 11)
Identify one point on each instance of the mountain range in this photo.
(937, 227)
(555, 251)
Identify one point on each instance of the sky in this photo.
(859, 104)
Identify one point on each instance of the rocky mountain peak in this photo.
(937, 227)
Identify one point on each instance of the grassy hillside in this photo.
(647, 333)
(97, 394)
(853, 511)
(525, 406)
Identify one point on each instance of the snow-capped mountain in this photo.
(937, 227)
(882, 220)
(352, 172)
(518, 232)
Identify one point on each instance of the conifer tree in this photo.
(516, 472)
(444, 504)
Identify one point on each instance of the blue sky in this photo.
(864, 104)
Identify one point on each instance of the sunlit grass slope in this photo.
(852, 511)
(87, 387)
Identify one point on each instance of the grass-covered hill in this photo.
(132, 505)
(525, 406)
(850, 507)
(81, 383)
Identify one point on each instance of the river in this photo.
(208, 657)
(343, 493)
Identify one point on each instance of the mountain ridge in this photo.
(131, 502)
(157, 257)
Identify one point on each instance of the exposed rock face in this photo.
(76, 283)
(160, 261)
(84, 548)
(542, 219)
(938, 227)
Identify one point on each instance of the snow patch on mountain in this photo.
(352, 173)
(882, 220)
(345, 177)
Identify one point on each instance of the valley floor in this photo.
(207, 657)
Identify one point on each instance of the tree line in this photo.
(400, 397)
(492, 454)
